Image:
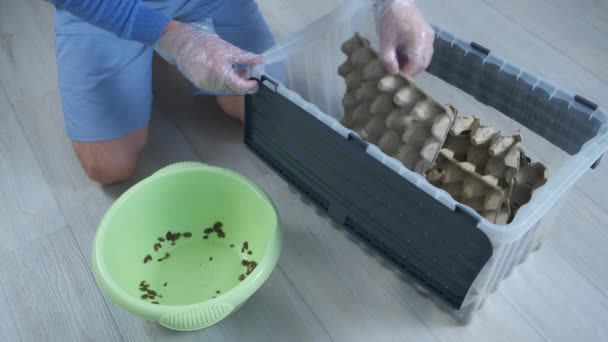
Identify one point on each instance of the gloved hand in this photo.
(406, 38)
(205, 59)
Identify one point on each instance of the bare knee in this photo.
(111, 161)
(108, 173)
(233, 106)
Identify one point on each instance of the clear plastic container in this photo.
(311, 59)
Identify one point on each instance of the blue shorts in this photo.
(106, 82)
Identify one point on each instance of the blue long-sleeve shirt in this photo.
(128, 19)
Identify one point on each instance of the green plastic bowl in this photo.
(201, 282)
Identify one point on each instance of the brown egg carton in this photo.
(474, 163)
(477, 166)
(391, 111)
(530, 177)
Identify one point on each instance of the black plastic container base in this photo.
(441, 249)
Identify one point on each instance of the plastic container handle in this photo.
(196, 319)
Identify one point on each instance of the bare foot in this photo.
(233, 106)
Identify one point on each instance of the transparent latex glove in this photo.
(205, 59)
(406, 38)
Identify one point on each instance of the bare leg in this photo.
(111, 161)
(233, 106)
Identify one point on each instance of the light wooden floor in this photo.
(326, 287)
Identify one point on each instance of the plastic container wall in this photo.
(567, 138)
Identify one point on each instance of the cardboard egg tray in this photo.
(391, 112)
(477, 166)
(530, 177)
(473, 162)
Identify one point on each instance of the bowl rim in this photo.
(235, 296)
